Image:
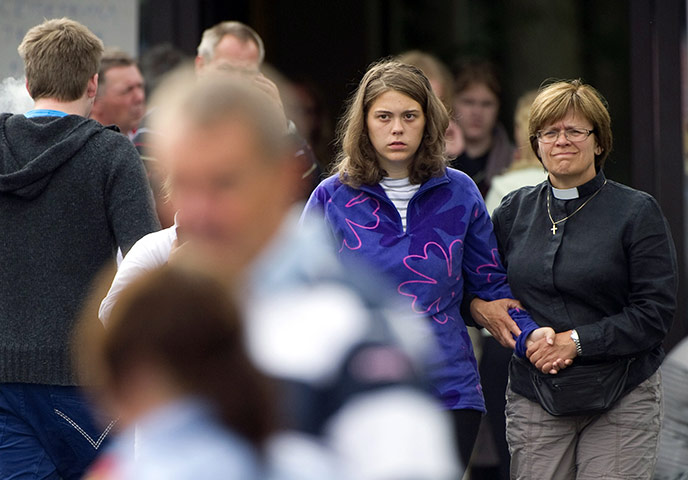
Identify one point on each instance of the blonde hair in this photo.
(60, 57)
(432, 67)
(213, 35)
(357, 162)
(525, 157)
(556, 100)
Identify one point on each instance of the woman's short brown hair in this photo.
(556, 100)
(60, 57)
(357, 162)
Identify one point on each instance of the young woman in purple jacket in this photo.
(395, 204)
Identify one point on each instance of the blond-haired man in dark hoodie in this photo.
(71, 193)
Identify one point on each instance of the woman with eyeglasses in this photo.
(594, 260)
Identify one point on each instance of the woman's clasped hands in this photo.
(550, 351)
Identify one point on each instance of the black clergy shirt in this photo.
(609, 271)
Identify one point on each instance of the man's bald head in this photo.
(230, 45)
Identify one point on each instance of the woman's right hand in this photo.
(541, 339)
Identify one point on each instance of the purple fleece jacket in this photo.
(448, 248)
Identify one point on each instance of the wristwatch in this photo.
(576, 341)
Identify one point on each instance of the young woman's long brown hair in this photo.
(357, 162)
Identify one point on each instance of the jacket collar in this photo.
(377, 190)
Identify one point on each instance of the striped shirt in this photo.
(399, 191)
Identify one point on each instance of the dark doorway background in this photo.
(613, 45)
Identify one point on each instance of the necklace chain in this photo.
(549, 213)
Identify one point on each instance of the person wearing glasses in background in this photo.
(594, 260)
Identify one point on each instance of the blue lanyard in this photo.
(44, 112)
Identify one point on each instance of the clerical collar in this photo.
(44, 112)
(565, 193)
(584, 190)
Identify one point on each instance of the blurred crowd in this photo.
(204, 278)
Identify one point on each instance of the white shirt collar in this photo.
(565, 193)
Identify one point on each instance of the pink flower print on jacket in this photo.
(371, 212)
(437, 281)
(490, 266)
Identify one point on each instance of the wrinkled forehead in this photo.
(122, 75)
(238, 70)
(232, 139)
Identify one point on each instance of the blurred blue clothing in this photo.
(351, 359)
(180, 441)
(310, 317)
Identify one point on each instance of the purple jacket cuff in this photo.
(527, 326)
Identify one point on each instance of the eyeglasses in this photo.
(571, 134)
